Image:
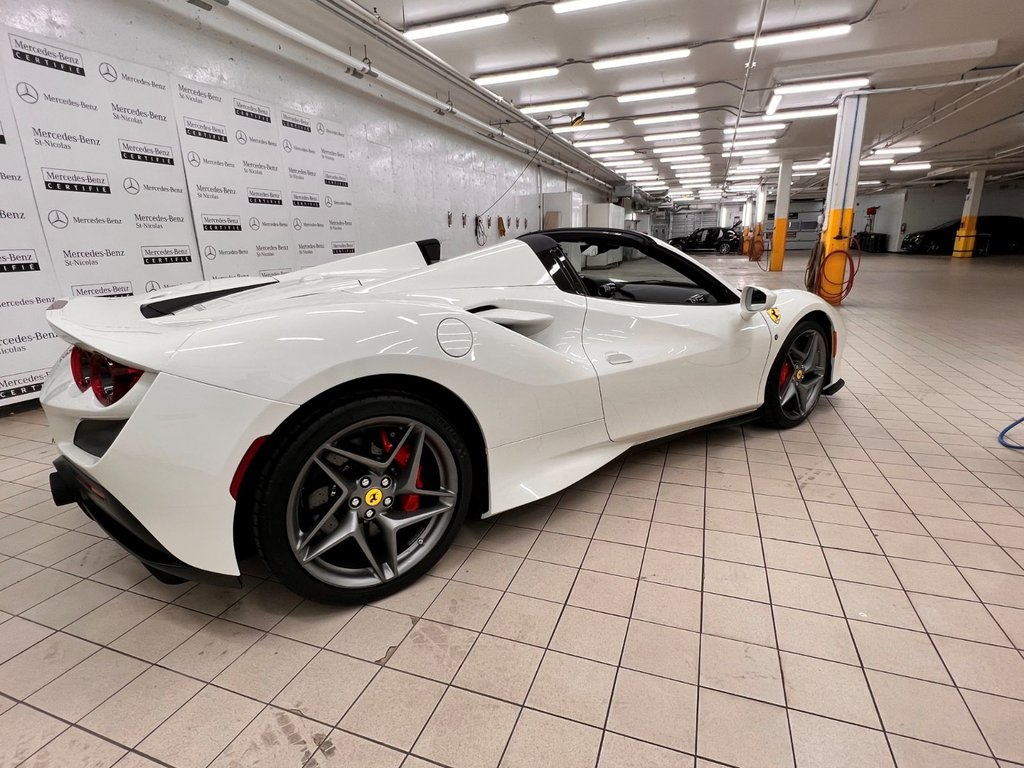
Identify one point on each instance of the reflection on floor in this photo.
(848, 593)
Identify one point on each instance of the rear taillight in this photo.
(108, 379)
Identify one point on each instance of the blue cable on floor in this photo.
(1004, 436)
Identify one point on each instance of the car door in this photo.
(668, 341)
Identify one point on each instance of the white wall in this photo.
(889, 217)
(930, 206)
(412, 169)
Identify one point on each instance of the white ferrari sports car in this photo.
(344, 421)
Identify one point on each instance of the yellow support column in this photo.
(967, 235)
(842, 191)
(781, 216)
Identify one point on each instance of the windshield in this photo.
(948, 224)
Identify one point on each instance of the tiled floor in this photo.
(849, 593)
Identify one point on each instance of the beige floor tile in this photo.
(815, 634)
(623, 530)
(654, 709)
(965, 619)
(71, 604)
(500, 668)
(489, 569)
(762, 741)
(572, 522)
(679, 514)
(861, 567)
(985, 557)
(809, 593)
(546, 581)
(78, 748)
(16, 635)
(671, 606)
(847, 537)
(342, 750)
(676, 538)
(393, 709)
(560, 549)
(83, 687)
(451, 561)
(731, 521)
(827, 688)
(467, 730)
(741, 668)
(433, 650)
(274, 738)
(792, 556)
(509, 540)
(911, 547)
(24, 730)
(982, 667)
(543, 741)
(749, 582)
(738, 619)
(911, 753)
(266, 667)
(161, 633)
(578, 689)
(616, 559)
(132, 713)
(33, 589)
(924, 710)
(662, 651)
(47, 660)
(1012, 622)
(524, 619)
(113, 619)
(603, 592)
(622, 752)
(195, 734)
(630, 506)
(932, 579)
(997, 588)
(210, 650)
(671, 568)
(326, 687)
(264, 607)
(314, 623)
(371, 634)
(900, 651)
(878, 604)
(733, 547)
(590, 634)
(821, 742)
(1000, 721)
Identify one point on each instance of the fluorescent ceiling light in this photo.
(623, 163)
(794, 36)
(897, 151)
(668, 54)
(681, 158)
(680, 148)
(555, 106)
(746, 153)
(797, 114)
(809, 166)
(690, 166)
(652, 177)
(773, 104)
(458, 25)
(677, 136)
(580, 127)
(743, 176)
(870, 183)
(515, 77)
(877, 161)
(746, 143)
(693, 175)
(598, 142)
(911, 167)
(653, 185)
(570, 6)
(845, 84)
(804, 173)
(677, 117)
(641, 169)
(661, 93)
(614, 153)
(730, 130)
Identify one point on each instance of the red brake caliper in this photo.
(410, 502)
(784, 376)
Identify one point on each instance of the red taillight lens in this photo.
(80, 360)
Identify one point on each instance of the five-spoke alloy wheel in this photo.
(797, 377)
(364, 499)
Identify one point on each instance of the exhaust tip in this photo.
(61, 491)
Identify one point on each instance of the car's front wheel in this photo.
(725, 248)
(358, 500)
(797, 377)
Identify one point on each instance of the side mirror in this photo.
(754, 300)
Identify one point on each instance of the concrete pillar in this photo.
(781, 216)
(842, 191)
(761, 205)
(967, 235)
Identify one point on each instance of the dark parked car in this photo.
(719, 239)
(1005, 234)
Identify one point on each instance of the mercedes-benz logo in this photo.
(153, 285)
(240, 137)
(57, 218)
(210, 252)
(328, 201)
(131, 186)
(320, 128)
(296, 223)
(254, 223)
(193, 159)
(107, 71)
(27, 93)
(287, 145)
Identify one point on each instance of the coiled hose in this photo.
(815, 272)
(1004, 436)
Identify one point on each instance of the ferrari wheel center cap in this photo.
(373, 497)
(799, 374)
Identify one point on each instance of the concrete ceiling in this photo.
(895, 43)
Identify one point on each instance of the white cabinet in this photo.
(563, 209)
(606, 215)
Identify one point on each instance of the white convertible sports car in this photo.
(345, 420)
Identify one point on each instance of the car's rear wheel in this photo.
(797, 377)
(359, 500)
(725, 248)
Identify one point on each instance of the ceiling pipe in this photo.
(363, 68)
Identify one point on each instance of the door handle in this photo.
(618, 358)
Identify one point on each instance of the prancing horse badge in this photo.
(775, 315)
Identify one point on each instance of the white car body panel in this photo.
(550, 405)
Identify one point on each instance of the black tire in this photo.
(288, 458)
(773, 413)
(724, 248)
